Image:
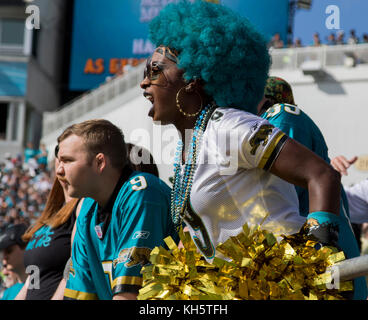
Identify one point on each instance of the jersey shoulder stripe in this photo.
(78, 295)
(273, 151)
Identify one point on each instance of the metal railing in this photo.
(328, 56)
(92, 100)
(11, 50)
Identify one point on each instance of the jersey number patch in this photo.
(276, 109)
(138, 183)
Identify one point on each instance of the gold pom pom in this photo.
(255, 266)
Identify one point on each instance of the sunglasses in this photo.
(154, 71)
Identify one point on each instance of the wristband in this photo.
(324, 228)
(324, 217)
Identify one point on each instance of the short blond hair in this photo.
(100, 136)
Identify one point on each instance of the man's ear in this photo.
(100, 162)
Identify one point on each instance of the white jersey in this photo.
(358, 202)
(231, 185)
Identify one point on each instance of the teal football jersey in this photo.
(11, 292)
(107, 260)
(299, 126)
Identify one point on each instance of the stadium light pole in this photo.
(293, 6)
(292, 10)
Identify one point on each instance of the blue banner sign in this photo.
(110, 35)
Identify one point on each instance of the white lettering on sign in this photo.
(149, 9)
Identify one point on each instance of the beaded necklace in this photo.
(183, 183)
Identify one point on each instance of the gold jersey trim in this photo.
(136, 281)
(78, 295)
(269, 156)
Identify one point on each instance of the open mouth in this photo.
(149, 97)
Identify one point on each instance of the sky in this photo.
(350, 14)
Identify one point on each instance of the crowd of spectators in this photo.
(332, 39)
(25, 182)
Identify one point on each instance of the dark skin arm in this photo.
(125, 296)
(298, 165)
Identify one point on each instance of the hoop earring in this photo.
(190, 115)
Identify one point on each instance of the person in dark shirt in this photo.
(49, 243)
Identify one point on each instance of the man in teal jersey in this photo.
(125, 213)
(13, 289)
(279, 108)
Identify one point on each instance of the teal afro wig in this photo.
(218, 46)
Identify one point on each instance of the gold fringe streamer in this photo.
(257, 267)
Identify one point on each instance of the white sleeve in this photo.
(244, 140)
(358, 202)
(260, 142)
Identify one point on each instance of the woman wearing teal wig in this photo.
(207, 76)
